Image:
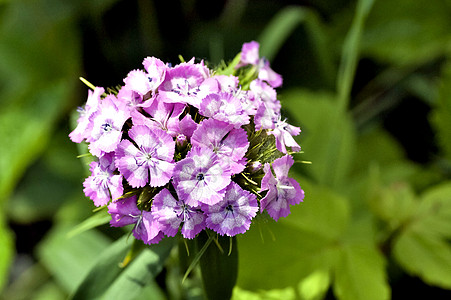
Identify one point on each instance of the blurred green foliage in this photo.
(369, 83)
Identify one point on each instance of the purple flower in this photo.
(156, 71)
(103, 185)
(266, 94)
(130, 99)
(200, 177)
(225, 107)
(84, 126)
(267, 74)
(125, 212)
(249, 54)
(187, 126)
(151, 162)
(164, 116)
(138, 81)
(107, 126)
(282, 190)
(229, 143)
(234, 213)
(170, 213)
(284, 132)
(182, 84)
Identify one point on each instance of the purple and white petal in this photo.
(200, 177)
(282, 191)
(229, 143)
(84, 125)
(147, 229)
(107, 127)
(151, 162)
(124, 212)
(234, 213)
(102, 185)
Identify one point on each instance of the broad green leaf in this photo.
(422, 247)
(394, 204)
(27, 128)
(34, 200)
(406, 32)
(108, 280)
(40, 55)
(69, 259)
(274, 294)
(425, 255)
(322, 212)
(275, 255)
(315, 286)
(138, 277)
(434, 211)
(106, 269)
(375, 146)
(360, 273)
(327, 137)
(49, 291)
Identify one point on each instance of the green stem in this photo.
(219, 269)
(350, 54)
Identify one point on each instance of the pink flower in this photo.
(103, 185)
(84, 125)
(234, 213)
(282, 190)
(170, 213)
(200, 177)
(224, 107)
(125, 212)
(152, 162)
(183, 84)
(107, 122)
(284, 132)
(230, 144)
(250, 56)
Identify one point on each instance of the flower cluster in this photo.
(187, 148)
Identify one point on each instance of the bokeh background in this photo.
(369, 83)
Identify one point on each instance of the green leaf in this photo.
(406, 32)
(360, 274)
(303, 242)
(27, 129)
(422, 247)
(395, 204)
(329, 145)
(6, 252)
(274, 294)
(315, 286)
(69, 259)
(39, 80)
(99, 218)
(425, 255)
(219, 269)
(376, 146)
(108, 280)
(323, 212)
(435, 211)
